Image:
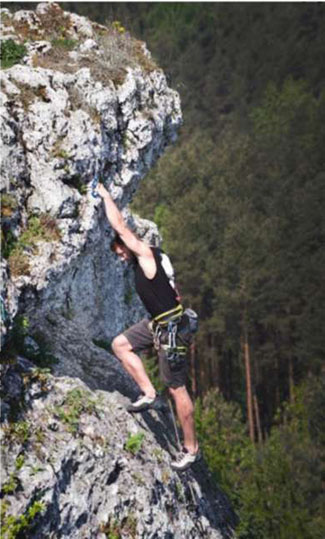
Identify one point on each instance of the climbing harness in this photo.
(168, 321)
(161, 322)
(166, 326)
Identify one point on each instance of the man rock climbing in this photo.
(155, 286)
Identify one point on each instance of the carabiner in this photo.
(93, 187)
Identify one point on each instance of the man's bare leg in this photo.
(185, 414)
(132, 364)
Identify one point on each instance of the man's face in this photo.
(123, 253)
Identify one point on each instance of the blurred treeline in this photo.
(240, 201)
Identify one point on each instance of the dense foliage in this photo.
(11, 53)
(240, 203)
(277, 486)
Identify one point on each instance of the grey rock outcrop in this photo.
(60, 130)
(75, 463)
(87, 468)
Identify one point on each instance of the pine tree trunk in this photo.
(249, 397)
(258, 419)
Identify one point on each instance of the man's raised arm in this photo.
(115, 218)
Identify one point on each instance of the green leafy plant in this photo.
(13, 482)
(20, 461)
(18, 431)
(8, 241)
(10, 485)
(13, 527)
(134, 442)
(11, 53)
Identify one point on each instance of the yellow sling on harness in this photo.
(168, 316)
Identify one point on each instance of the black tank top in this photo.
(157, 294)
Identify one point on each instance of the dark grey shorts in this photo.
(140, 336)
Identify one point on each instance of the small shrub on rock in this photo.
(11, 53)
(19, 526)
(134, 443)
(42, 228)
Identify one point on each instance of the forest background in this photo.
(240, 203)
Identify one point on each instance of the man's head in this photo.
(120, 249)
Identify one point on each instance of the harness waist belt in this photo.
(168, 316)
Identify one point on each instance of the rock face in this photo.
(84, 102)
(90, 469)
(60, 130)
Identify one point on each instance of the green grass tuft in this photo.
(134, 442)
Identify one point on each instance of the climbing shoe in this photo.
(142, 403)
(185, 459)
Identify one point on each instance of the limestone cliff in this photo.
(84, 101)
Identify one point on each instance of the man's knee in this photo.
(120, 344)
(175, 391)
